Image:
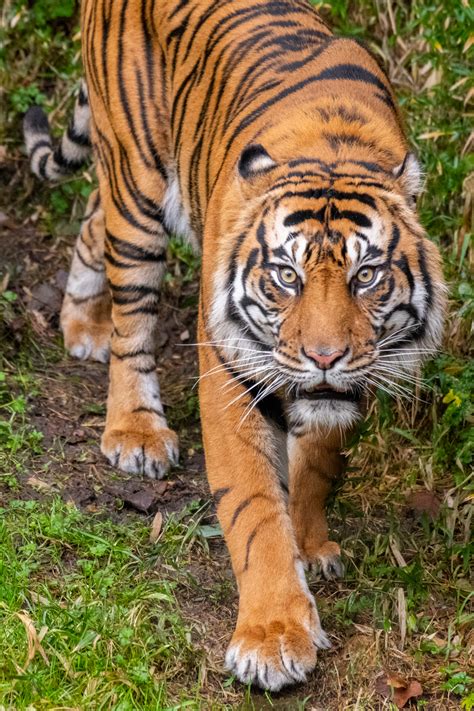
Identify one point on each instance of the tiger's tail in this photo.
(48, 162)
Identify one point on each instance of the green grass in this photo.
(90, 600)
(126, 624)
(18, 439)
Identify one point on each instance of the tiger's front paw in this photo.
(326, 556)
(148, 451)
(275, 653)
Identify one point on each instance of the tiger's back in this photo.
(225, 73)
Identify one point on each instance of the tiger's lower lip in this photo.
(330, 394)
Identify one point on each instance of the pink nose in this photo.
(323, 359)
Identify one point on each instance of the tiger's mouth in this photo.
(326, 392)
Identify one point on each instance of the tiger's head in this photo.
(329, 287)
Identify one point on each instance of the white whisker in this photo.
(222, 367)
(391, 336)
(262, 381)
(230, 385)
(390, 370)
(271, 387)
(397, 389)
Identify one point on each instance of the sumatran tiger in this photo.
(278, 150)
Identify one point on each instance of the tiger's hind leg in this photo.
(136, 437)
(86, 311)
(315, 463)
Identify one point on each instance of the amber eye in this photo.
(287, 275)
(366, 275)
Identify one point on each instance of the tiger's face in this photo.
(333, 290)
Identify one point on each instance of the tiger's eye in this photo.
(365, 275)
(288, 275)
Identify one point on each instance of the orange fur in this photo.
(279, 149)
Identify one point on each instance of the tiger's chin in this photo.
(324, 408)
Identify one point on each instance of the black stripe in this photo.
(251, 537)
(357, 218)
(404, 266)
(86, 264)
(218, 494)
(42, 143)
(243, 505)
(82, 99)
(347, 72)
(425, 273)
(117, 263)
(301, 215)
(150, 310)
(132, 354)
(142, 289)
(145, 369)
(153, 410)
(42, 164)
(129, 250)
(394, 240)
(81, 139)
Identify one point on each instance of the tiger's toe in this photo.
(276, 654)
(150, 453)
(87, 341)
(327, 558)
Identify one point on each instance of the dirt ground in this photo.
(70, 406)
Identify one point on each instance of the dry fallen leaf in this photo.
(34, 640)
(45, 298)
(434, 78)
(468, 215)
(39, 485)
(424, 502)
(4, 282)
(6, 222)
(156, 527)
(397, 689)
(468, 43)
(431, 135)
(38, 323)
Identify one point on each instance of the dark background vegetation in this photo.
(94, 615)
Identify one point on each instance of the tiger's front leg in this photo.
(136, 437)
(278, 629)
(315, 463)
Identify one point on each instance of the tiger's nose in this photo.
(324, 359)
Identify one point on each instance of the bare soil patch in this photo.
(69, 405)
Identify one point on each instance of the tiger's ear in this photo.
(409, 175)
(254, 161)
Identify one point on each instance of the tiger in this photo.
(277, 150)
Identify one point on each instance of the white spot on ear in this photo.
(261, 163)
(410, 175)
(253, 161)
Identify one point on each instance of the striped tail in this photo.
(74, 148)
